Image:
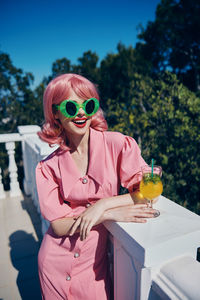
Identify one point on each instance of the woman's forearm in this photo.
(116, 201)
(63, 226)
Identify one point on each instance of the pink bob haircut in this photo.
(58, 90)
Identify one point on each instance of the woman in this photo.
(78, 188)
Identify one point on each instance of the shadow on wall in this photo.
(23, 252)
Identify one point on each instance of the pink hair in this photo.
(58, 90)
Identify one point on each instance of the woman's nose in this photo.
(80, 112)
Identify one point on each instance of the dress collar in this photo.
(69, 171)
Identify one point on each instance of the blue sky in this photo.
(36, 33)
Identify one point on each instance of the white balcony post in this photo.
(14, 184)
(143, 252)
(34, 150)
(27, 131)
(2, 193)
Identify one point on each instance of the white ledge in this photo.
(28, 129)
(179, 279)
(174, 233)
(40, 147)
(10, 137)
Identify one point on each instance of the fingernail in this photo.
(156, 214)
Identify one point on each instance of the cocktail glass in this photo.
(151, 185)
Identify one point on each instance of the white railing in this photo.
(9, 140)
(153, 261)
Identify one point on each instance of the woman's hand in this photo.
(87, 220)
(137, 213)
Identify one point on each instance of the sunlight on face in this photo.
(78, 125)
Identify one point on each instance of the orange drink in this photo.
(151, 185)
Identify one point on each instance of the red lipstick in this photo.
(80, 122)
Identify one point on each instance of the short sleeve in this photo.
(131, 163)
(51, 203)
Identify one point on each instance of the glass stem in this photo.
(150, 203)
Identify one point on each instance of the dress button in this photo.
(84, 180)
(88, 205)
(68, 278)
(76, 255)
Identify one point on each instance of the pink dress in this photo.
(68, 267)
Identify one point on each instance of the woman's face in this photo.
(78, 125)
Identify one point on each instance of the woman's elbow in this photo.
(57, 229)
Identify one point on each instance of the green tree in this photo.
(164, 118)
(87, 66)
(61, 66)
(116, 73)
(172, 41)
(15, 95)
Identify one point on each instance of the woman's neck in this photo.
(79, 143)
(80, 152)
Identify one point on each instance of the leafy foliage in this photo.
(18, 104)
(172, 41)
(88, 66)
(164, 117)
(116, 73)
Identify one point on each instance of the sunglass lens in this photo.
(90, 106)
(70, 108)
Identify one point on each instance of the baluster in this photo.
(14, 184)
(2, 193)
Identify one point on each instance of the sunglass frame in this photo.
(62, 107)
